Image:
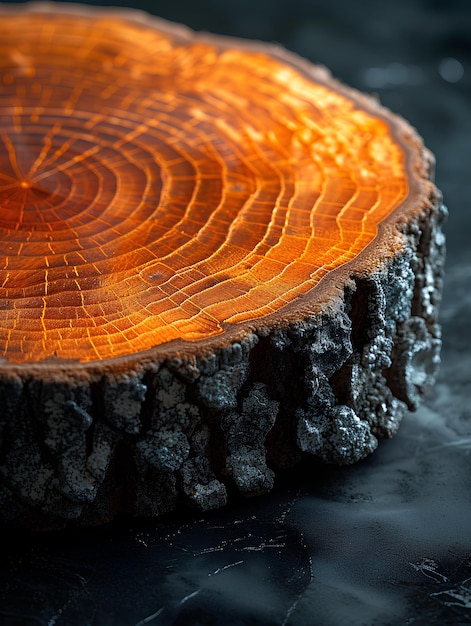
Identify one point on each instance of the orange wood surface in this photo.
(153, 188)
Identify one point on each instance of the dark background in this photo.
(387, 541)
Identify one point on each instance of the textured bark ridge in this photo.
(325, 372)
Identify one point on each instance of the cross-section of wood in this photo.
(209, 249)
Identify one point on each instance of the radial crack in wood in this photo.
(215, 259)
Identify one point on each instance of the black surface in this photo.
(387, 541)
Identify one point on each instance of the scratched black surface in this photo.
(385, 542)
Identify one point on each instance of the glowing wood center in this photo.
(153, 188)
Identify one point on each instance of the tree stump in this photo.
(215, 259)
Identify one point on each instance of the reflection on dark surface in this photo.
(244, 565)
(387, 541)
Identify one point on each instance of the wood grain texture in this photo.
(155, 188)
(214, 260)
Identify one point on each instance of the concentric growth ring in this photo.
(155, 187)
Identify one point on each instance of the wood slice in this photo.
(215, 259)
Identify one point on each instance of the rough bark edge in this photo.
(193, 430)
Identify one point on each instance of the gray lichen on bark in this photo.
(196, 429)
